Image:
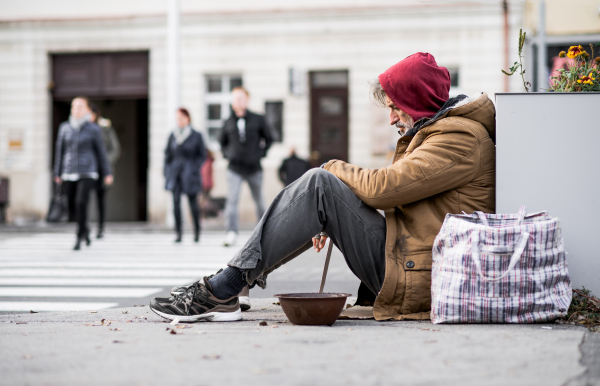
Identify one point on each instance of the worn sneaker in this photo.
(245, 299)
(181, 289)
(197, 303)
(230, 238)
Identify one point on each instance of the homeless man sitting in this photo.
(444, 162)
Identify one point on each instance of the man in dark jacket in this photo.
(292, 168)
(245, 139)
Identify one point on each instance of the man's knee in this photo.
(318, 174)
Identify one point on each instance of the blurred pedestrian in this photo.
(184, 156)
(206, 171)
(80, 160)
(113, 152)
(292, 168)
(245, 139)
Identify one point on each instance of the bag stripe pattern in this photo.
(499, 268)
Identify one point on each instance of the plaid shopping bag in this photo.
(499, 268)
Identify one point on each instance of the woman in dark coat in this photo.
(80, 160)
(184, 156)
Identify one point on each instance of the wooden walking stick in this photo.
(326, 267)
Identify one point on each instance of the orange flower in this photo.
(586, 80)
(562, 54)
(597, 60)
(575, 51)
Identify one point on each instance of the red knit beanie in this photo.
(417, 85)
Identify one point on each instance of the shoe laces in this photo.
(196, 291)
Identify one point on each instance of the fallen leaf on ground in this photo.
(105, 322)
(263, 323)
(118, 341)
(211, 357)
(263, 308)
(21, 322)
(183, 326)
(115, 329)
(348, 306)
(33, 312)
(93, 312)
(277, 304)
(139, 305)
(124, 312)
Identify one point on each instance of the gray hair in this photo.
(377, 93)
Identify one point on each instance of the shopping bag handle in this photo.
(483, 218)
(521, 215)
(513, 260)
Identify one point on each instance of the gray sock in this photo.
(228, 283)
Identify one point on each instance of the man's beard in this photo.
(403, 127)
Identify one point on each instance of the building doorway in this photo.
(118, 84)
(328, 116)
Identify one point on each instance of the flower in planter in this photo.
(579, 73)
(577, 70)
(575, 51)
(586, 80)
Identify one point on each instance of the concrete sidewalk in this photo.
(138, 348)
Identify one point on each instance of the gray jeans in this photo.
(318, 201)
(234, 186)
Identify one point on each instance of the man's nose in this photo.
(393, 118)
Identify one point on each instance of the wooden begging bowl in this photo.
(313, 309)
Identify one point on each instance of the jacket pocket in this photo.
(417, 267)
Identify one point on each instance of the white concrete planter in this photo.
(548, 158)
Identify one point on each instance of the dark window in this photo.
(214, 111)
(214, 84)
(235, 82)
(453, 76)
(274, 117)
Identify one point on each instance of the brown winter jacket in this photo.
(448, 166)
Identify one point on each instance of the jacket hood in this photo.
(477, 107)
(417, 85)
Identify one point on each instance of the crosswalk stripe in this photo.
(54, 306)
(78, 292)
(121, 265)
(75, 272)
(128, 267)
(105, 281)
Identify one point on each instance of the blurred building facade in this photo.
(307, 65)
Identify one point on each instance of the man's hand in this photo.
(108, 180)
(319, 241)
(58, 180)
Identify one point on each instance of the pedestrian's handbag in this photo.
(59, 206)
(499, 268)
